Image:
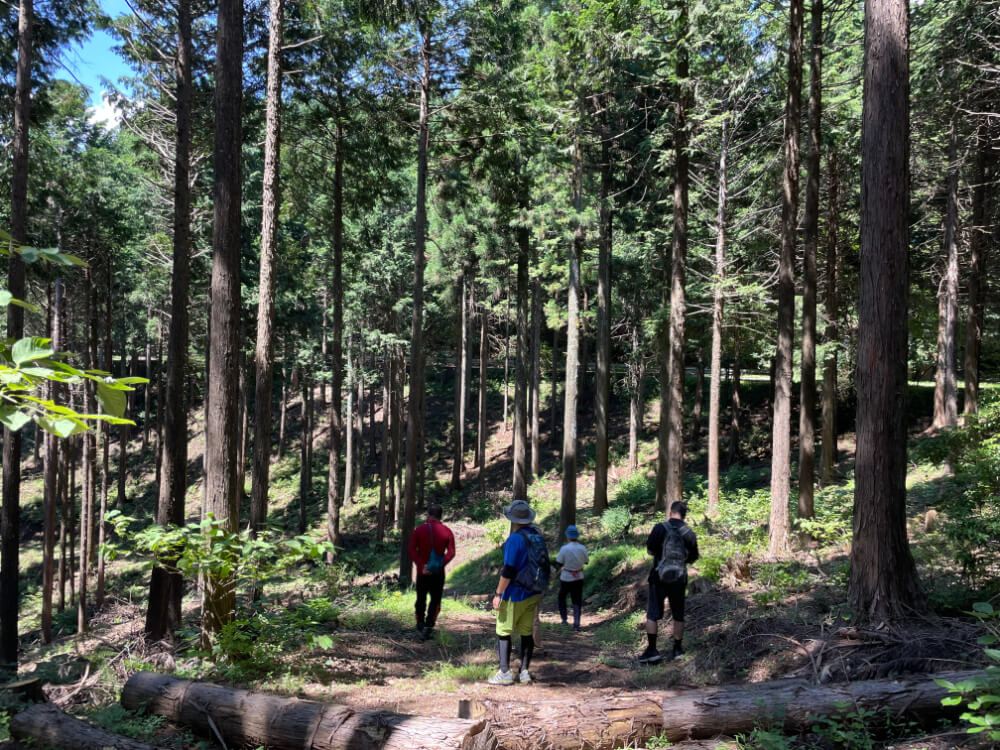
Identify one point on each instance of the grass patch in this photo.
(621, 631)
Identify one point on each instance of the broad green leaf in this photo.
(29, 254)
(132, 380)
(39, 372)
(29, 349)
(113, 401)
(25, 305)
(5, 297)
(983, 608)
(14, 420)
(62, 427)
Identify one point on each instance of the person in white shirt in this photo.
(572, 556)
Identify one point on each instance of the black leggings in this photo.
(575, 591)
(432, 584)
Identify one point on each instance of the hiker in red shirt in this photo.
(432, 546)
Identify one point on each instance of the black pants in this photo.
(575, 591)
(432, 584)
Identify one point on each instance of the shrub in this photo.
(636, 490)
(982, 694)
(617, 521)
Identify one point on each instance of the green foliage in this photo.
(617, 521)
(635, 490)
(981, 694)
(138, 725)
(496, 531)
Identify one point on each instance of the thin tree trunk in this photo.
(397, 433)
(735, 430)
(945, 380)
(781, 460)
(567, 508)
(51, 497)
(458, 435)
(221, 448)
(718, 308)
(553, 401)
(305, 467)
(10, 518)
(64, 519)
(385, 482)
(324, 345)
(831, 303)
(166, 588)
(883, 580)
(283, 410)
(506, 358)
(675, 366)
(977, 275)
(602, 376)
(334, 500)
(483, 380)
(807, 387)
(522, 362)
(160, 403)
(536, 377)
(106, 450)
(414, 429)
(147, 389)
(349, 468)
(637, 373)
(699, 400)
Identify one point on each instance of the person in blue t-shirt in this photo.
(515, 605)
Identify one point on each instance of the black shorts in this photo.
(673, 593)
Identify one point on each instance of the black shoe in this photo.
(420, 626)
(650, 656)
(426, 635)
(678, 652)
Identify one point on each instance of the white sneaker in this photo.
(525, 677)
(501, 678)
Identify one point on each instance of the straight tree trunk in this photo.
(414, 430)
(675, 365)
(147, 389)
(945, 379)
(106, 449)
(334, 500)
(89, 458)
(283, 410)
(637, 374)
(718, 308)
(807, 385)
(160, 401)
(324, 344)
(458, 444)
(602, 375)
(222, 494)
(64, 519)
(349, 468)
(385, 481)
(831, 335)
(699, 400)
(536, 377)
(10, 516)
(398, 420)
(735, 408)
(522, 362)
(567, 508)
(483, 381)
(51, 496)
(305, 467)
(553, 401)
(264, 348)
(166, 588)
(359, 416)
(506, 360)
(781, 459)
(883, 579)
(977, 275)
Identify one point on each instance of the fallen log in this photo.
(28, 691)
(50, 727)
(734, 709)
(243, 718)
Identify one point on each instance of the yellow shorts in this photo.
(517, 617)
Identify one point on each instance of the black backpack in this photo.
(672, 567)
(534, 576)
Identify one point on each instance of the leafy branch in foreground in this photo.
(981, 694)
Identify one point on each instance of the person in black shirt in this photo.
(672, 591)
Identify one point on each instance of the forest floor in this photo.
(346, 635)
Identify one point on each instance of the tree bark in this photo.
(718, 308)
(637, 374)
(602, 376)
(945, 379)
(483, 383)
(48, 726)
(522, 362)
(51, 497)
(108, 365)
(674, 488)
(831, 304)
(349, 468)
(536, 377)
(385, 480)
(246, 719)
(414, 431)
(567, 508)
(461, 352)
(222, 494)
(977, 273)
(305, 468)
(271, 204)
(807, 385)
(883, 579)
(10, 516)
(781, 460)
(334, 499)
(735, 430)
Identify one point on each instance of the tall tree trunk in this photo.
(781, 459)
(536, 376)
(414, 431)
(831, 303)
(883, 580)
(264, 348)
(166, 588)
(349, 468)
(334, 500)
(147, 388)
(51, 496)
(396, 476)
(324, 344)
(64, 519)
(698, 407)
(283, 409)
(735, 429)
(675, 365)
(458, 445)
(385, 481)
(305, 467)
(10, 517)
(977, 272)
(108, 365)
(506, 359)
(160, 401)
(89, 457)
(554, 379)
(567, 508)
(359, 415)
(602, 376)
(945, 379)
(718, 308)
(807, 386)
(637, 374)
(483, 382)
(222, 494)
(522, 362)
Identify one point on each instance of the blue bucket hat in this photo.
(572, 532)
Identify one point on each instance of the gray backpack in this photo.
(672, 567)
